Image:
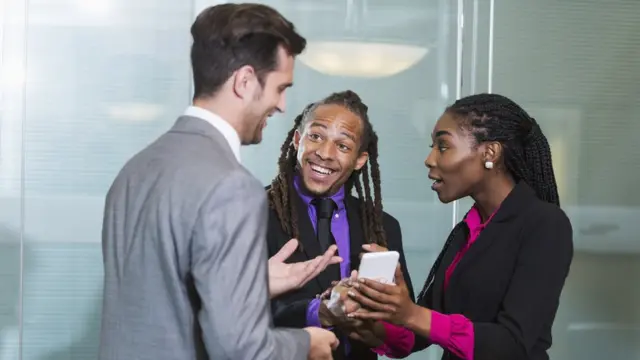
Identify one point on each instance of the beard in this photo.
(256, 137)
(256, 119)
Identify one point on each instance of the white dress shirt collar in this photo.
(229, 133)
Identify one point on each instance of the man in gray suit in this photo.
(186, 271)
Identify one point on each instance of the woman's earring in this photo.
(488, 164)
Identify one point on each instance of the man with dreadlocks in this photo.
(332, 149)
(494, 290)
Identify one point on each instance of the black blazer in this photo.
(509, 281)
(290, 310)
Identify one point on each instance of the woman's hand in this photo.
(373, 248)
(386, 302)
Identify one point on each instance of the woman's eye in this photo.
(440, 148)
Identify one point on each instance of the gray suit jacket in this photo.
(185, 256)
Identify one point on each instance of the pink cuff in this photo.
(454, 333)
(398, 342)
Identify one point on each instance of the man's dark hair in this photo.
(282, 192)
(526, 154)
(227, 37)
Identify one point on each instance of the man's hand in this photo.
(370, 332)
(322, 342)
(346, 304)
(286, 277)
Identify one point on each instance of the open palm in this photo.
(285, 277)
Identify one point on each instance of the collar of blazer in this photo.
(197, 126)
(513, 205)
(521, 195)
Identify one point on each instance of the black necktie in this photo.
(324, 212)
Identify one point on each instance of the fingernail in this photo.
(350, 315)
(366, 246)
(351, 293)
(361, 280)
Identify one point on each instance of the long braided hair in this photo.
(526, 154)
(282, 192)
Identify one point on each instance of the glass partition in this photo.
(574, 66)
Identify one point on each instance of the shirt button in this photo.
(337, 216)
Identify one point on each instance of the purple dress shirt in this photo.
(399, 341)
(340, 231)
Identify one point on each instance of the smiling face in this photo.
(456, 162)
(328, 149)
(265, 98)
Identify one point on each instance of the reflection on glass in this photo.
(584, 94)
(366, 39)
(361, 59)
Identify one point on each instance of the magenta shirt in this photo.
(399, 341)
(455, 332)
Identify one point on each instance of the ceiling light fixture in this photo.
(356, 57)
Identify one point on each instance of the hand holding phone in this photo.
(379, 266)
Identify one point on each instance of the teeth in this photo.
(321, 170)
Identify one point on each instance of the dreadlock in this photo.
(282, 192)
(527, 155)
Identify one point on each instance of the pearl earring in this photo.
(488, 164)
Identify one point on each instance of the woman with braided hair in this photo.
(494, 290)
(330, 151)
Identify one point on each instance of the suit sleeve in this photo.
(532, 298)
(291, 312)
(229, 267)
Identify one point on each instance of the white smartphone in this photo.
(379, 266)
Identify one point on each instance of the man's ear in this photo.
(361, 160)
(245, 81)
(296, 139)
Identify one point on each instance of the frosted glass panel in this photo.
(103, 78)
(11, 114)
(574, 66)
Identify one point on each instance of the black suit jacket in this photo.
(509, 281)
(290, 310)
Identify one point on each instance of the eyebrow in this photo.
(317, 124)
(442, 133)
